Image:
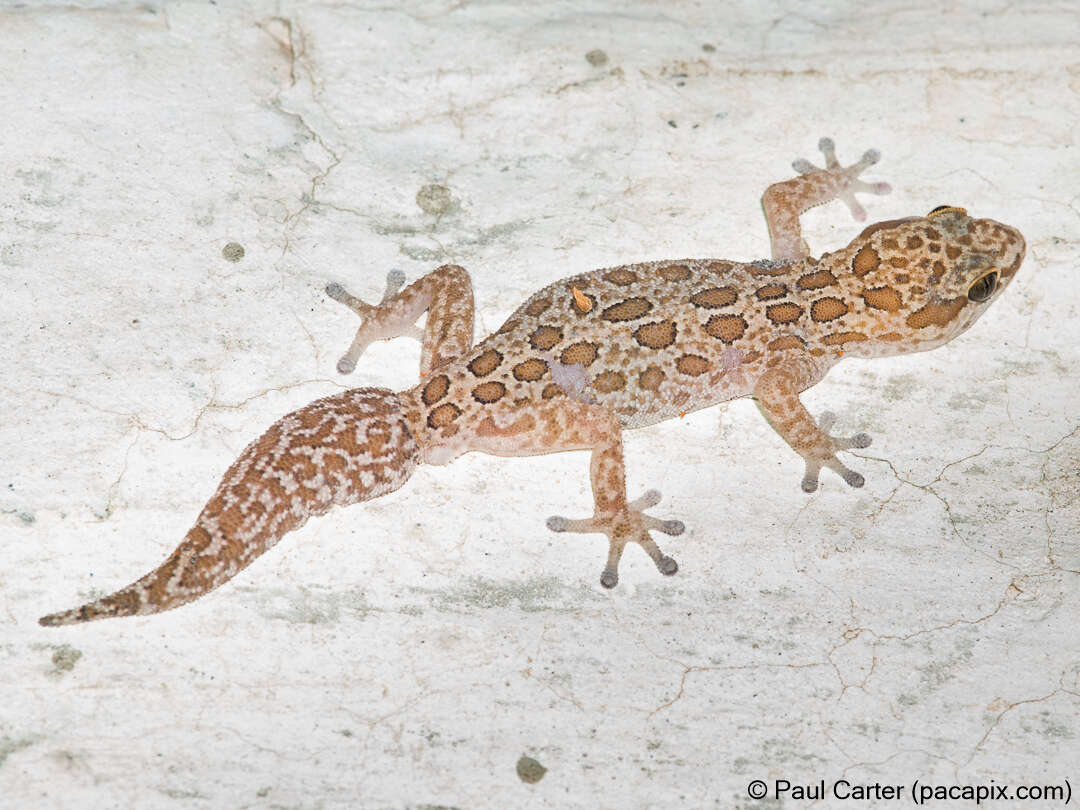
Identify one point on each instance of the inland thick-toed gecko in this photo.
(587, 356)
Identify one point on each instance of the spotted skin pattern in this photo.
(590, 355)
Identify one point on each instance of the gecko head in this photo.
(924, 280)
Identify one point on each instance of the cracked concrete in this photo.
(182, 181)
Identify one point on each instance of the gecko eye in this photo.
(983, 287)
(941, 210)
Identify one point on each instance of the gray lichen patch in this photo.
(233, 252)
(64, 659)
(529, 770)
(596, 58)
(434, 199)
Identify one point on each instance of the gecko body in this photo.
(590, 355)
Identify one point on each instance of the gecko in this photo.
(591, 355)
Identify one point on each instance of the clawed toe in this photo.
(628, 525)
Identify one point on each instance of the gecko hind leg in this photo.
(632, 525)
(445, 294)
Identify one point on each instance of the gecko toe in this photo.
(609, 579)
(346, 365)
(335, 291)
(667, 566)
(861, 440)
(557, 523)
(853, 479)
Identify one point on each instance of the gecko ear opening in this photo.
(983, 287)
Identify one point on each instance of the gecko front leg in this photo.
(785, 202)
(777, 394)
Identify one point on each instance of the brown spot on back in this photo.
(489, 392)
(786, 342)
(828, 309)
(692, 365)
(865, 261)
(581, 352)
(538, 307)
(485, 363)
(770, 291)
(885, 298)
(608, 381)
(914, 243)
(443, 415)
(952, 251)
(714, 297)
(552, 390)
(509, 326)
(651, 378)
(435, 389)
(718, 267)
(727, 328)
(621, 276)
(939, 271)
(545, 337)
(783, 313)
(674, 272)
(628, 310)
(900, 261)
(936, 314)
(890, 336)
(530, 370)
(580, 302)
(815, 281)
(840, 338)
(656, 335)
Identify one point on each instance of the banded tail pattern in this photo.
(339, 450)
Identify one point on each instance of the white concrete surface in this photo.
(409, 652)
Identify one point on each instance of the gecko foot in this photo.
(395, 279)
(814, 464)
(849, 174)
(629, 524)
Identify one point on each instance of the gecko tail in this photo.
(339, 450)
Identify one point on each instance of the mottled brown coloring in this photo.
(552, 390)
(692, 365)
(771, 291)
(538, 307)
(443, 415)
(714, 298)
(840, 338)
(936, 314)
(545, 337)
(436, 389)
(582, 352)
(783, 313)
(620, 276)
(884, 298)
(485, 363)
(727, 328)
(674, 272)
(828, 309)
(608, 381)
(656, 335)
(530, 370)
(815, 281)
(651, 378)
(786, 342)
(489, 392)
(628, 310)
(865, 261)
